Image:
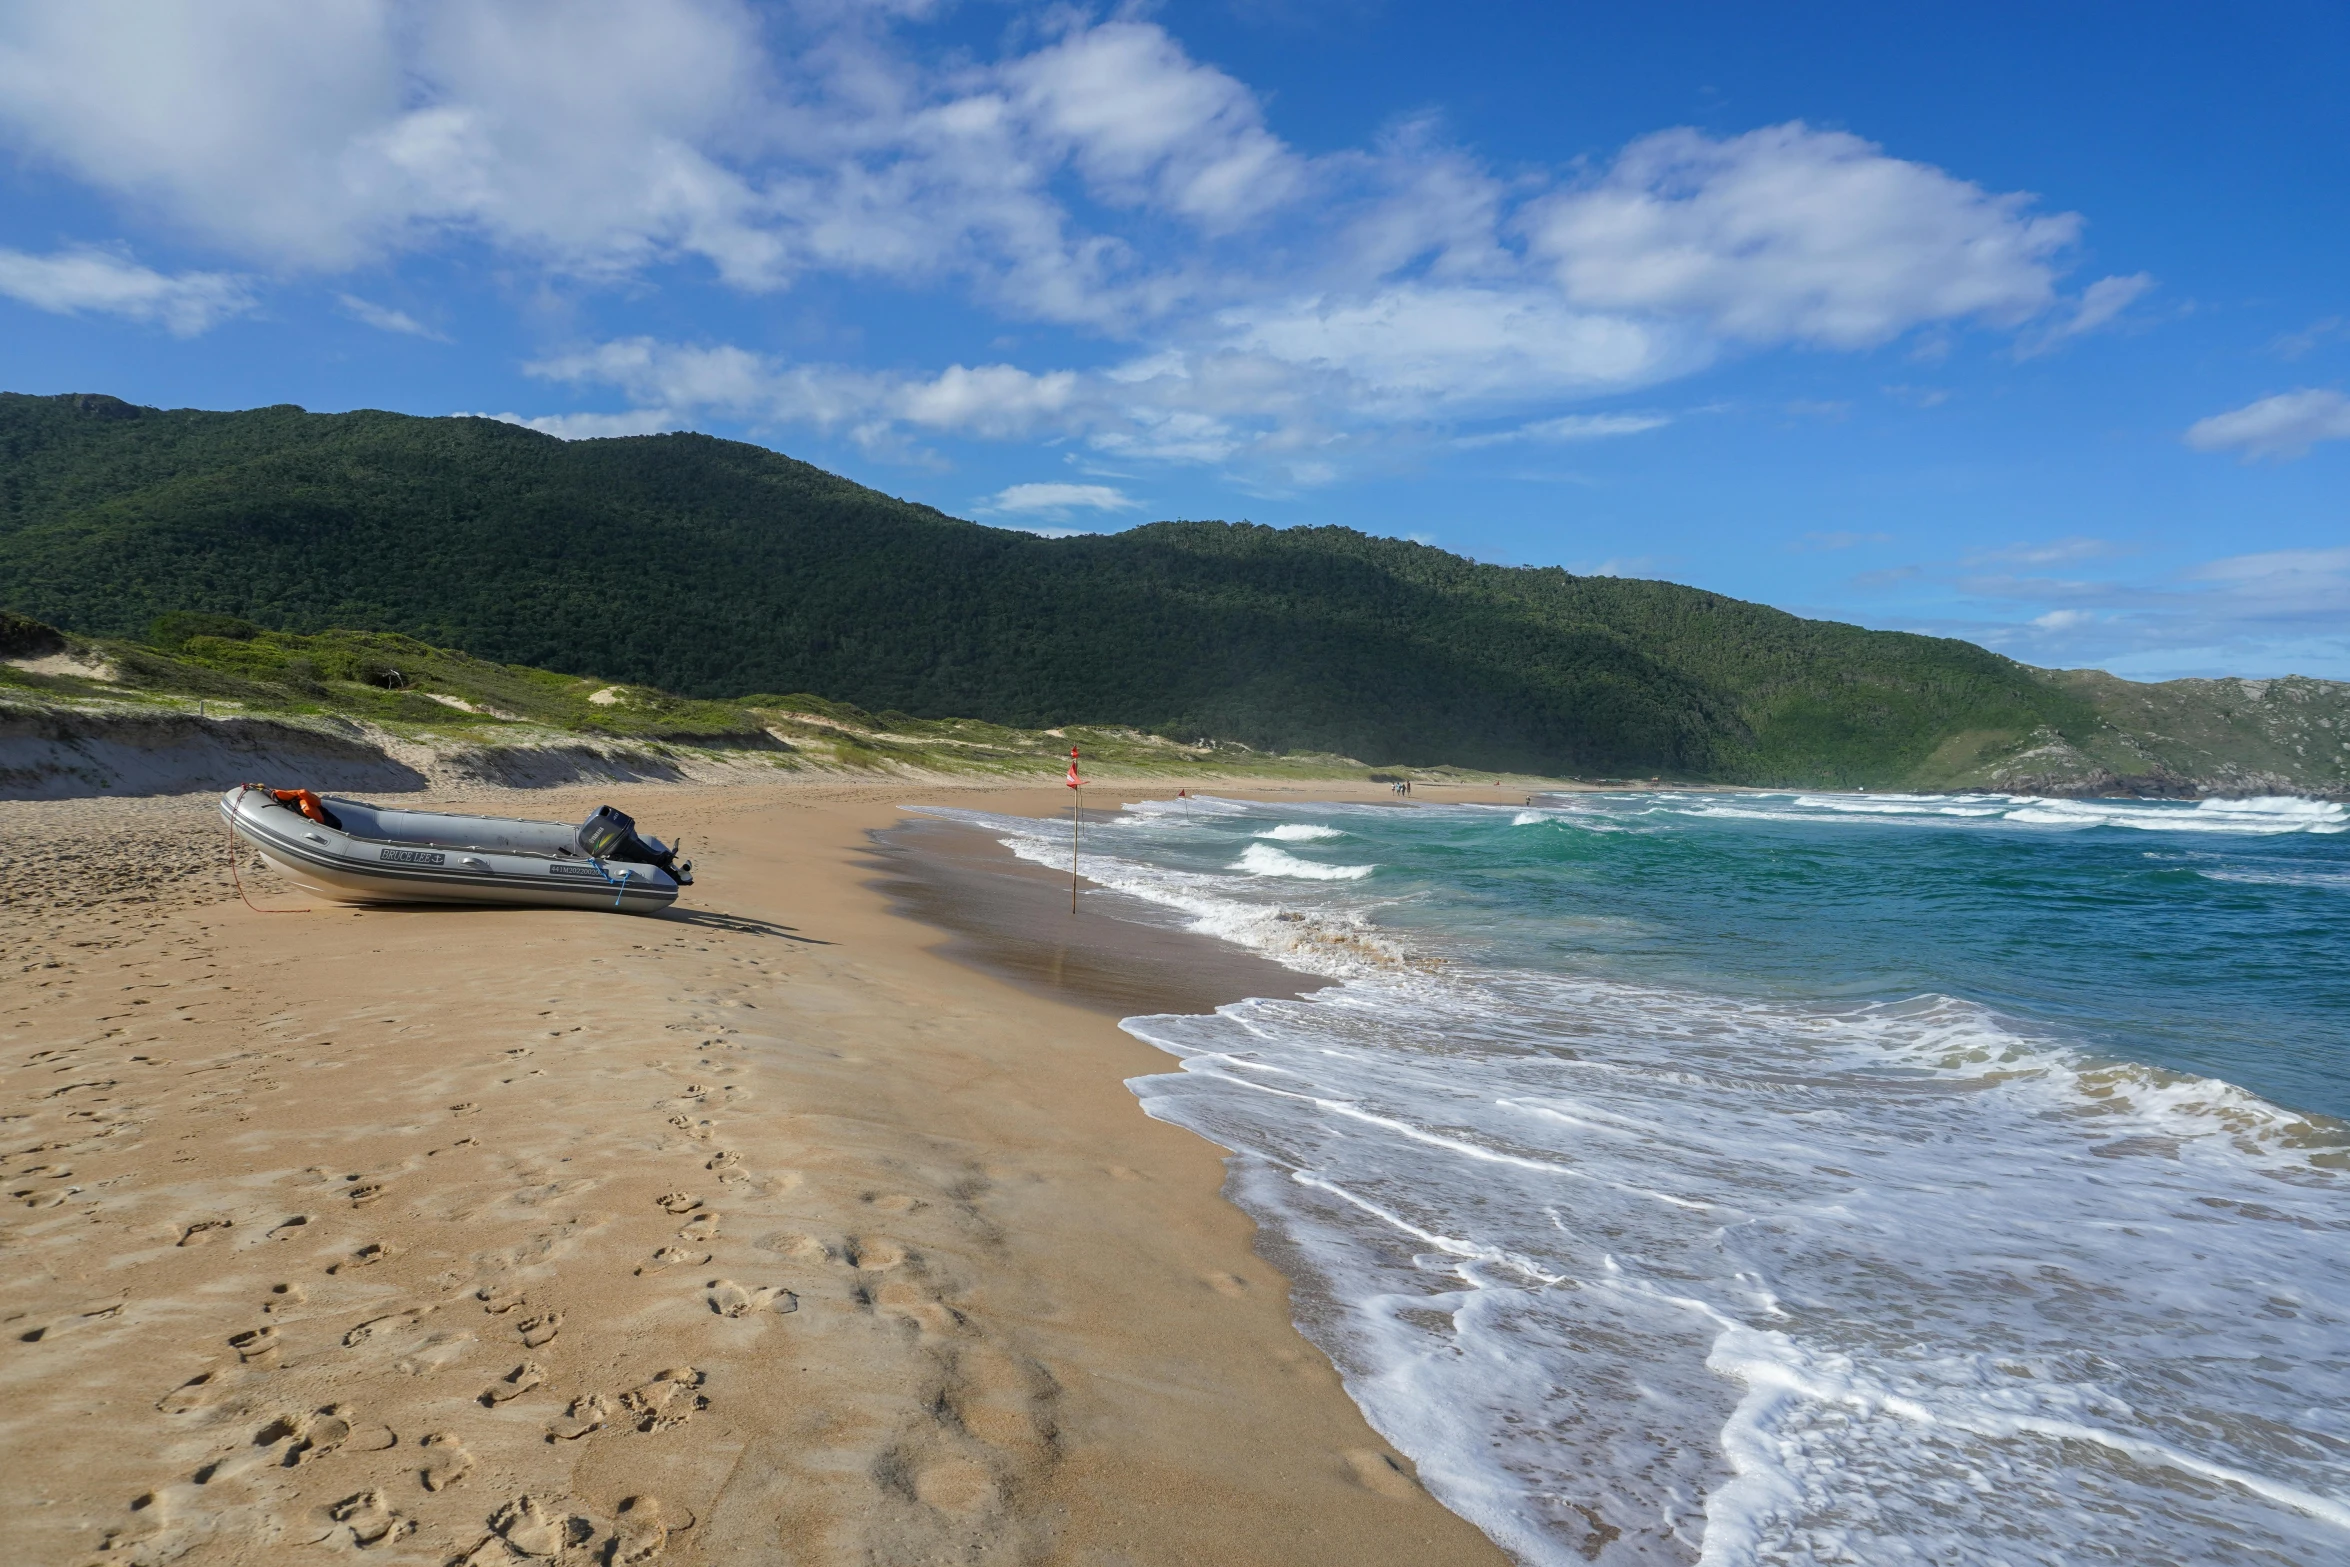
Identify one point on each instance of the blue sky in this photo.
(2028, 324)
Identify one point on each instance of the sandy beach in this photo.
(810, 1222)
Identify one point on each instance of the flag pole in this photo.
(1076, 825)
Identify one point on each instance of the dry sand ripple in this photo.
(754, 1233)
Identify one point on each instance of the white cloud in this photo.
(2292, 345)
(1415, 350)
(2258, 613)
(996, 402)
(1619, 566)
(320, 134)
(1274, 311)
(2100, 305)
(385, 319)
(2064, 619)
(591, 426)
(601, 137)
(72, 282)
(1793, 235)
(2055, 552)
(1148, 125)
(993, 401)
(1057, 502)
(1570, 427)
(2284, 583)
(2104, 300)
(2284, 426)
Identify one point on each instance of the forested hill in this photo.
(716, 568)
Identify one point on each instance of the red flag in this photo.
(1074, 781)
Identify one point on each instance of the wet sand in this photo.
(1113, 954)
(767, 1230)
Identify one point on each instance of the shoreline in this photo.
(1011, 919)
(781, 1225)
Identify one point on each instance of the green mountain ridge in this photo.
(713, 568)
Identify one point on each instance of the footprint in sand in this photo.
(369, 1518)
(677, 1202)
(955, 1485)
(911, 1303)
(514, 1384)
(204, 1231)
(672, 1257)
(366, 1192)
(287, 1227)
(723, 1161)
(498, 1299)
(190, 1395)
(258, 1347)
(368, 1256)
(875, 1255)
(892, 1202)
(541, 1330)
(1225, 1283)
(314, 1436)
(668, 1400)
(585, 1415)
(730, 1299)
(439, 1350)
(284, 1297)
(148, 1520)
(641, 1532)
(391, 1322)
(445, 1461)
(100, 1311)
(701, 1227)
(796, 1245)
(536, 1529)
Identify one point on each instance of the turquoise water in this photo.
(2209, 939)
(1799, 1178)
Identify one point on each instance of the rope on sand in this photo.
(232, 863)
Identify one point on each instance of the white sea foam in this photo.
(1262, 859)
(1334, 943)
(1754, 1282)
(2335, 881)
(1187, 809)
(2263, 816)
(1300, 832)
(1637, 1274)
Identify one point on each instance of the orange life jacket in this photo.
(303, 800)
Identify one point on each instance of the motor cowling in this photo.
(610, 834)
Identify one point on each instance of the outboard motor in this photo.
(608, 834)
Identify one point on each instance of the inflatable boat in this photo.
(354, 852)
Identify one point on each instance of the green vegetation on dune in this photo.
(221, 667)
(689, 564)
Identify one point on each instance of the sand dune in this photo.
(757, 1232)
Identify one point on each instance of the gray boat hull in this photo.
(389, 856)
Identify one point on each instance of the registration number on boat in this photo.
(412, 856)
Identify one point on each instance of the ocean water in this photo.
(1795, 1178)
